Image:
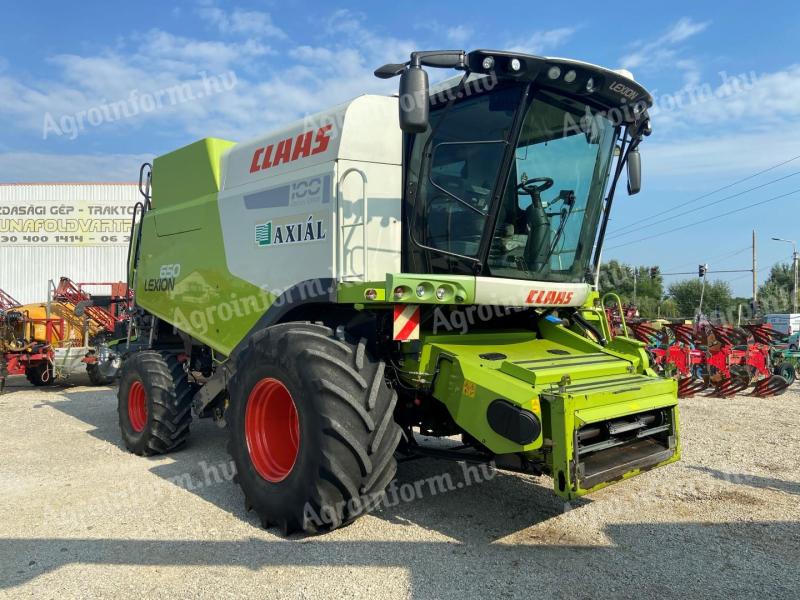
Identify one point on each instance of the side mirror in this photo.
(414, 100)
(634, 172)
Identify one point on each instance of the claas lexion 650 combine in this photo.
(338, 290)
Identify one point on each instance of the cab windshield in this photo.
(551, 205)
(551, 201)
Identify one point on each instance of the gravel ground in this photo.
(81, 517)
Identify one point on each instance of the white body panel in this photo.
(515, 292)
(337, 171)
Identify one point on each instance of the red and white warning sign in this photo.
(406, 322)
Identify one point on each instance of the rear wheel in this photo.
(154, 403)
(787, 371)
(41, 374)
(312, 430)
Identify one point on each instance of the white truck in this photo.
(785, 323)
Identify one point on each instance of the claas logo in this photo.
(549, 297)
(290, 149)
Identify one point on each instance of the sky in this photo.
(88, 91)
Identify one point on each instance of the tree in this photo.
(775, 295)
(648, 286)
(617, 277)
(686, 294)
(669, 309)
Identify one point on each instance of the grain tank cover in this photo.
(364, 129)
(188, 173)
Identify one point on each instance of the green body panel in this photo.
(188, 173)
(564, 379)
(205, 300)
(566, 412)
(202, 298)
(356, 292)
(459, 289)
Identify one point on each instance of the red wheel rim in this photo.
(272, 429)
(137, 406)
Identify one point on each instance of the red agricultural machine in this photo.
(703, 356)
(8, 326)
(6, 301)
(73, 330)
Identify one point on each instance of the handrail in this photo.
(144, 190)
(133, 241)
(618, 300)
(340, 218)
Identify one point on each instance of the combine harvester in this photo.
(703, 356)
(73, 331)
(336, 290)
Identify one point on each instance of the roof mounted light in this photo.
(570, 76)
(488, 62)
(590, 85)
(515, 64)
(554, 72)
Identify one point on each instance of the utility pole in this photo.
(635, 269)
(794, 270)
(755, 274)
(701, 271)
(794, 295)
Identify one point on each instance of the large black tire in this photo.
(345, 431)
(40, 375)
(164, 424)
(787, 371)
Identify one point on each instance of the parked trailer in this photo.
(73, 331)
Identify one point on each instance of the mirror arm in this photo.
(623, 157)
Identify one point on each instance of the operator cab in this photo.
(507, 171)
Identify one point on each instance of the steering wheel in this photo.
(528, 186)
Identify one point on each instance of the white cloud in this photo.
(458, 35)
(267, 93)
(682, 30)
(541, 42)
(722, 155)
(237, 21)
(746, 101)
(35, 166)
(170, 49)
(662, 52)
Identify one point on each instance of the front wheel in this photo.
(312, 430)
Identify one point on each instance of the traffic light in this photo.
(653, 272)
(701, 270)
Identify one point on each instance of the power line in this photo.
(713, 259)
(706, 220)
(711, 193)
(709, 272)
(736, 195)
(750, 273)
